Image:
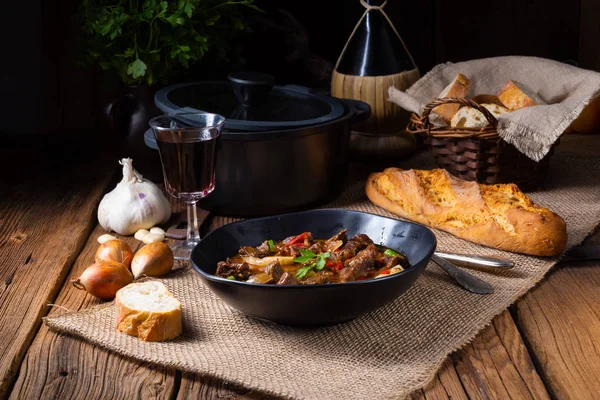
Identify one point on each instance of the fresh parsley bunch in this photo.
(146, 41)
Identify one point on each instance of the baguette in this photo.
(468, 117)
(498, 216)
(459, 87)
(515, 95)
(149, 311)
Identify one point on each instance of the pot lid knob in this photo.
(251, 88)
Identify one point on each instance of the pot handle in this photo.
(362, 110)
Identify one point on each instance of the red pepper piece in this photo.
(298, 239)
(361, 278)
(331, 264)
(386, 272)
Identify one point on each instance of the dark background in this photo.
(44, 92)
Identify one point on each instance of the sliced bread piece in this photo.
(459, 87)
(468, 117)
(515, 95)
(149, 311)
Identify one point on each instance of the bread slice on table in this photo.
(498, 216)
(468, 117)
(515, 95)
(149, 311)
(459, 87)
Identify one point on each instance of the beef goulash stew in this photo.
(302, 260)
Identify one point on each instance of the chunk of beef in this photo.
(359, 265)
(259, 252)
(287, 279)
(319, 278)
(274, 270)
(358, 242)
(389, 262)
(351, 248)
(343, 236)
(318, 247)
(289, 251)
(228, 268)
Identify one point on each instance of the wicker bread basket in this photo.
(477, 154)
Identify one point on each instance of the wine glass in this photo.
(187, 146)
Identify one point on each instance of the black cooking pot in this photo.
(283, 148)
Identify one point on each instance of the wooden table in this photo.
(547, 345)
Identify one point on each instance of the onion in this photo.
(154, 259)
(103, 279)
(116, 251)
(263, 262)
(260, 278)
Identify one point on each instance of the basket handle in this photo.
(455, 100)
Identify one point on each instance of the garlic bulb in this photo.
(135, 203)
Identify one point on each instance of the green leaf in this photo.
(325, 255)
(307, 253)
(128, 53)
(271, 245)
(320, 264)
(301, 273)
(303, 259)
(184, 48)
(136, 69)
(188, 9)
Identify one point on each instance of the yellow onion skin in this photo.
(154, 259)
(103, 279)
(116, 251)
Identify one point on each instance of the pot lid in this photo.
(251, 102)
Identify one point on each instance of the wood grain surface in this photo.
(548, 348)
(560, 320)
(60, 366)
(44, 222)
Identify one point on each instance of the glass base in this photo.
(182, 251)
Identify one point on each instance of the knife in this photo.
(584, 252)
(463, 278)
(476, 261)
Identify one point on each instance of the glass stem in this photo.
(193, 233)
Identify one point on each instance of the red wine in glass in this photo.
(187, 143)
(188, 163)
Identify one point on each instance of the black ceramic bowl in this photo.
(313, 304)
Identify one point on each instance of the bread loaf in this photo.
(459, 87)
(499, 216)
(468, 117)
(589, 119)
(149, 311)
(515, 95)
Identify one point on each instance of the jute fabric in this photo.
(386, 354)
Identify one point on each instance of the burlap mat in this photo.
(386, 354)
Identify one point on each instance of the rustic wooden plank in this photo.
(445, 386)
(560, 320)
(63, 367)
(198, 387)
(496, 365)
(44, 222)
